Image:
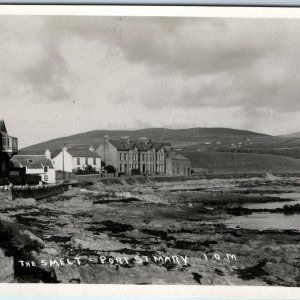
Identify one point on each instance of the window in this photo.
(121, 156)
(121, 168)
(78, 161)
(125, 156)
(86, 161)
(94, 161)
(45, 169)
(46, 178)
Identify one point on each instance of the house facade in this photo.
(142, 155)
(36, 165)
(8, 148)
(71, 160)
(181, 166)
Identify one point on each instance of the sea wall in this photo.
(38, 192)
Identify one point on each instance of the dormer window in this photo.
(30, 161)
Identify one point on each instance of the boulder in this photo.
(282, 271)
(7, 269)
(25, 201)
(67, 274)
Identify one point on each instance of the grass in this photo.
(226, 162)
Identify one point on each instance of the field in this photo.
(228, 162)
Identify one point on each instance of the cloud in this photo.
(143, 72)
(31, 62)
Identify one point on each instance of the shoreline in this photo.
(149, 220)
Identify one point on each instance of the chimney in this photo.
(48, 153)
(106, 138)
(91, 148)
(125, 139)
(144, 140)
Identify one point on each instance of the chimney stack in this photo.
(144, 140)
(48, 153)
(106, 138)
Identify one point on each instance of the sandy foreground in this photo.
(151, 233)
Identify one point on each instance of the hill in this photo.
(178, 137)
(292, 135)
(226, 162)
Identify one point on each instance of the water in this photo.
(276, 204)
(265, 220)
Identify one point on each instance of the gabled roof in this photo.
(177, 156)
(83, 153)
(121, 145)
(54, 153)
(2, 126)
(142, 146)
(32, 161)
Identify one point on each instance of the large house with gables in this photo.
(142, 155)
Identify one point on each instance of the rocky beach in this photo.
(155, 231)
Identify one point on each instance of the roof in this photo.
(32, 161)
(121, 145)
(54, 153)
(142, 146)
(83, 153)
(177, 156)
(2, 126)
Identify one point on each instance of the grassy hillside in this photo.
(244, 163)
(178, 137)
(292, 135)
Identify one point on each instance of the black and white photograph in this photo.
(149, 150)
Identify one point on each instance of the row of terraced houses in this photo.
(126, 156)
(143, 155)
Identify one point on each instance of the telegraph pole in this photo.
(63, 161)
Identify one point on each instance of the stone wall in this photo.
(39, 192)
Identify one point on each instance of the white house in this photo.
(36, 165)
(69, 160)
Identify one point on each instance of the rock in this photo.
(50, 251)
(282, 271)
(67, 274)
(25, 202)
(7, 269)
(32, 237)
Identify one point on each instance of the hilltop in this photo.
(292, 135)
(178, 137)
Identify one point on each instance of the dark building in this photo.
(9, 147)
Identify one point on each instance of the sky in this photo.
(62, 75)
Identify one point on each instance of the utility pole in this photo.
(63, 161)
